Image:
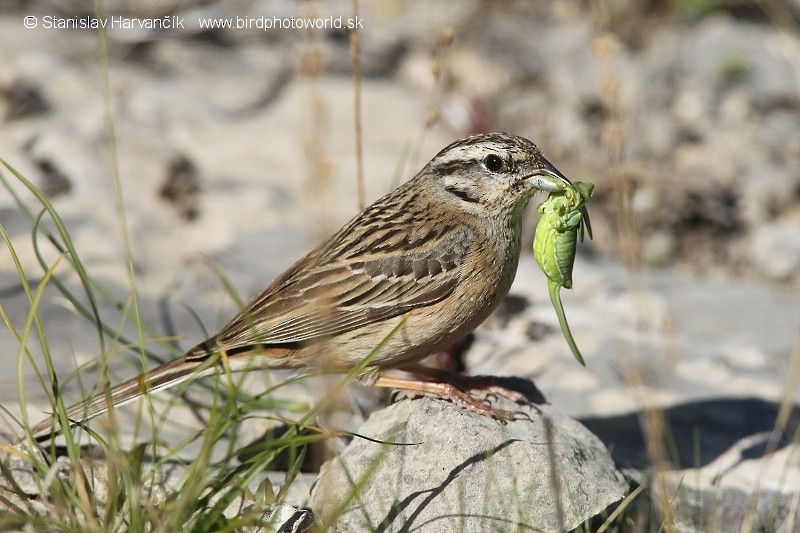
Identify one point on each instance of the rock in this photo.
(27, 482)
(63, 165)
(24, 485)
(729, 463)
(20, 468)
(286, 518)
(24, 99)
(776, 248)
(757, 494)
(454, 470)
(182, 186)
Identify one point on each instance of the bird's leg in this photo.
(446, 391)
(480, 387)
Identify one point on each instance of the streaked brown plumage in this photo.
(439, 252)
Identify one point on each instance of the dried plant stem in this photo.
(355, 58)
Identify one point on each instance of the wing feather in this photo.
(320, 297)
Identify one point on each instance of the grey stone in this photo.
(775, 248)
(22, 478)
(453, 470)
(751, 487)
(286, 518)
(23, 100)
(23, 487)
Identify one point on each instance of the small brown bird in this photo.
(433, 257)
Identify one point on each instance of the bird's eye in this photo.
(494, 163)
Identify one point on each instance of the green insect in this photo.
(563, 217)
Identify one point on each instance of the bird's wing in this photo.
(323, 296)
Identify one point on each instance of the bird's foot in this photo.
(445, 391)
(480, 387)
(484, 387)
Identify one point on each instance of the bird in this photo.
(412, 273)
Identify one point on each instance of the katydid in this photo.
(563, 217)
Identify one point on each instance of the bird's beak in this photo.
(548, 178)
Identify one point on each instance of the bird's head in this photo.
(494, 174)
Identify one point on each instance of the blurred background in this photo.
(237, 150)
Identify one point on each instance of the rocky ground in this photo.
(236, 149)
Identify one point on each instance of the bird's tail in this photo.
(162, 377)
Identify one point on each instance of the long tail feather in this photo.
(162, 377)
